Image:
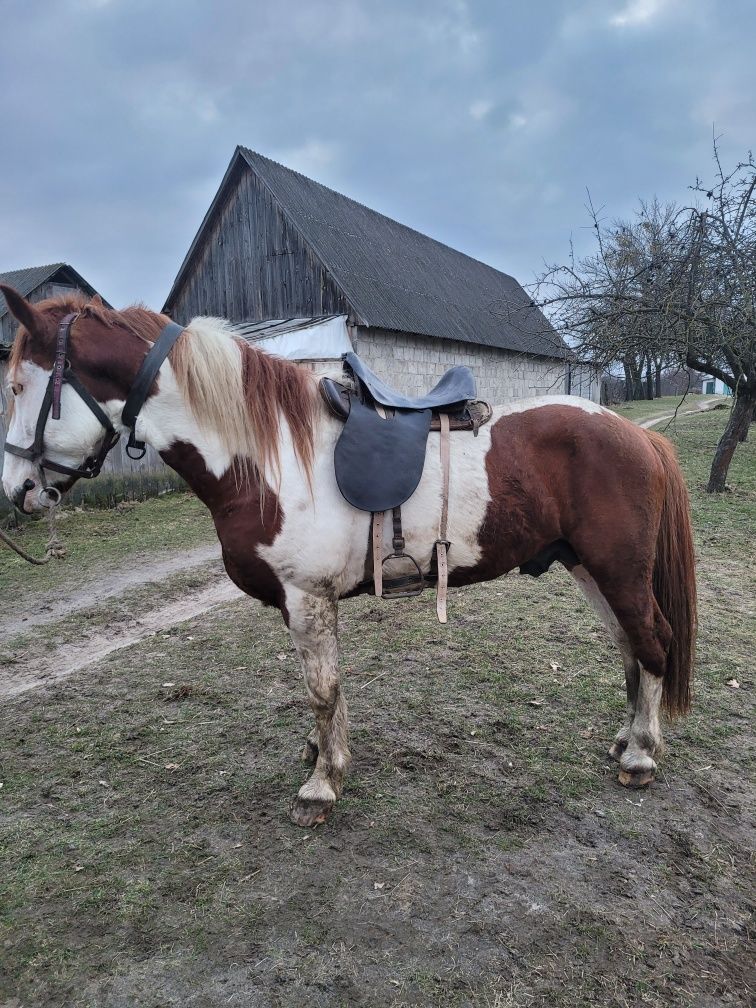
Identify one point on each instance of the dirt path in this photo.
(702, 408)
(114, 583)
(64, 661)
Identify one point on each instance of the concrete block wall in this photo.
(413, 364)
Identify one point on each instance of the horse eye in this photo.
(17, 389)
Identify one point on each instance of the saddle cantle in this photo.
(380, 456)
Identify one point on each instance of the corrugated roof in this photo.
(253, 331)
(26, 280)
(397, 278)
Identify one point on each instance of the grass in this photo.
(483, 854)
(649, 409)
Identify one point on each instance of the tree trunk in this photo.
(634, 389)
(744, 431)
(629, 381)
(649, 381)
(740, 417)
(658, 379)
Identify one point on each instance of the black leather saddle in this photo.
(379, 457)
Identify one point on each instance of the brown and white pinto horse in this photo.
(548, 478)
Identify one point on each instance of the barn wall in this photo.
(585, 381)
(413, 364)
(252, 265)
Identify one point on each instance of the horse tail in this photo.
(674, 581)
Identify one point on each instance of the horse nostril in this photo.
(28, 484)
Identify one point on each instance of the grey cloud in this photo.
(479, 123)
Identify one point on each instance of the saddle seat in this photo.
(449, 395)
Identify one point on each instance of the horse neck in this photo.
(168, 424)
(200, 457)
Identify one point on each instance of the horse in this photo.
(552, 478)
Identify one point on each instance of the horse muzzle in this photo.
(30, 496)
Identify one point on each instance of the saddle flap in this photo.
(379, 462)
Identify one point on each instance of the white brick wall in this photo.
(413, 365)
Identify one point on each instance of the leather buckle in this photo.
(133, 444)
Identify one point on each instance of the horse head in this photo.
(58, 435)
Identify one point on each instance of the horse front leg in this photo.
(312, 624)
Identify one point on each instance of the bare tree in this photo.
(676, 285)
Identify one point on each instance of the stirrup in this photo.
(402, 585)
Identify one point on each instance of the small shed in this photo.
(275, 245)
(37, 283)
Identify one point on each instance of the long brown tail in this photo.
(675, 580)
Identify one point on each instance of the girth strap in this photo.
(442, 543)
(378, 552)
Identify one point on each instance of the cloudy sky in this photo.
(479, 122)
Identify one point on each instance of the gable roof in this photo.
(393, 276)
(25, 281)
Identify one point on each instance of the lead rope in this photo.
(55, 547)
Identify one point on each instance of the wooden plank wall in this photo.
(253, 265)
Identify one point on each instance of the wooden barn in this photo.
(275, 245)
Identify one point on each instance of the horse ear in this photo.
(94, 306)
(23, 310)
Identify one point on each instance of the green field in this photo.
(483, 854)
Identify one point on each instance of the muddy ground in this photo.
(483, 854)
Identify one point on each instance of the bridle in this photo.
(61, 375)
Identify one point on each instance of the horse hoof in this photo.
(310, 811)
(310, 753)
(636, 780)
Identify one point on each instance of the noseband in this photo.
(63, 375)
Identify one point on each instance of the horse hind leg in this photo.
(645, 743)
(604, 611)
(643, 636)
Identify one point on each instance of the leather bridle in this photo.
(50, 409)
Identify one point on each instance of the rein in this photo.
(54, 548)
(61, 375)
